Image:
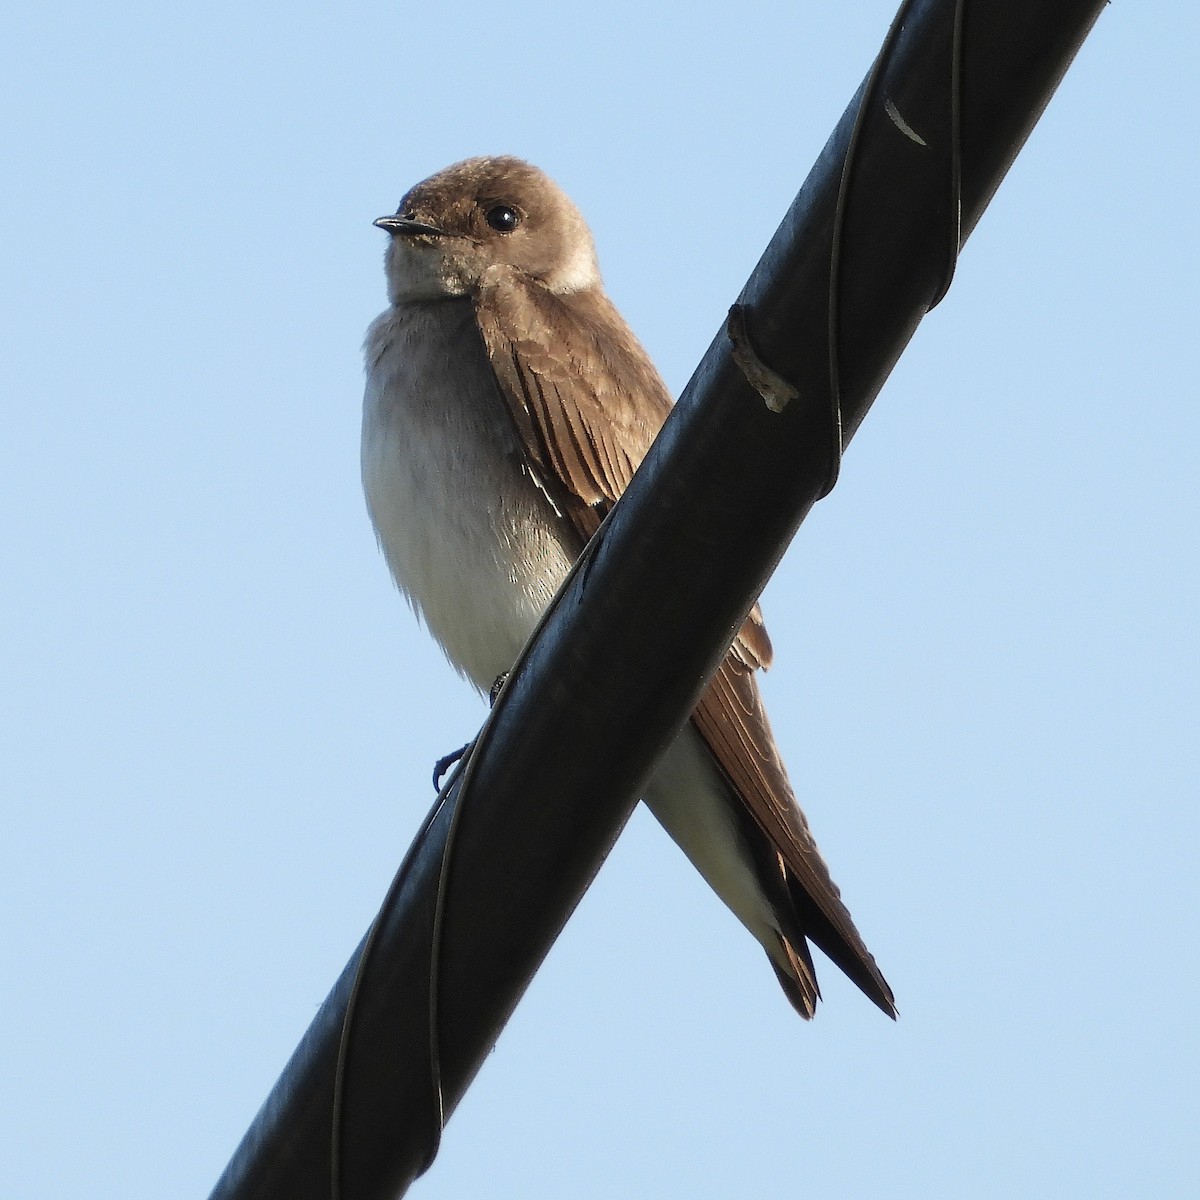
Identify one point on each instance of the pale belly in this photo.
(478, 550)
(471, 540)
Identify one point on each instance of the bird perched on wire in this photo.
(507, 406)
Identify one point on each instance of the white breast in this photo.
(471, 540)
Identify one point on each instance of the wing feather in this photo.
(587, 404)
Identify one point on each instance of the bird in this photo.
(507, 406)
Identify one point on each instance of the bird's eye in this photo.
(502, 218)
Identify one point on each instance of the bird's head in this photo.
(481, 218)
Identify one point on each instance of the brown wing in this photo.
(586, 406)
(733, 721)
(587, 403)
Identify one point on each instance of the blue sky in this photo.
(219, 719)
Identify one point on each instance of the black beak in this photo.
(406, 227)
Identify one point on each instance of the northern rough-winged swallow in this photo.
(507, 406)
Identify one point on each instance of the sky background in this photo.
(218, 718)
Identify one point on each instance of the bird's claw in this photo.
(444, 764)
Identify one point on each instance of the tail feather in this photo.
(799, 980)
(856, 961)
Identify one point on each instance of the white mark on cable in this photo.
(775, 391)
(901, 124)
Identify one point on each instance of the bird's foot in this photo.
(444, 764)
